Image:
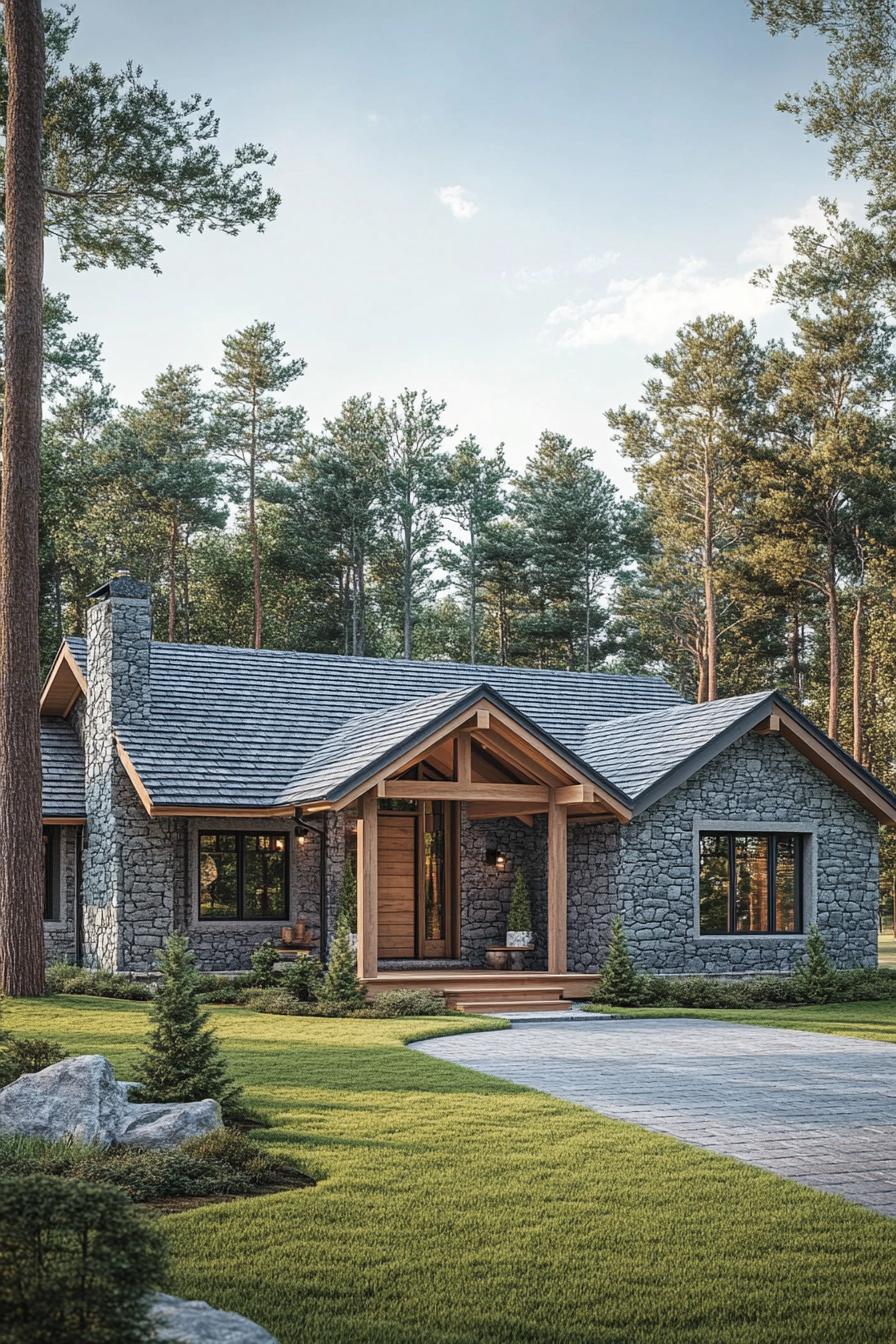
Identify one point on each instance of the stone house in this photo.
(221, 792)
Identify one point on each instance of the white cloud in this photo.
(596, 262)
(526, 278)
(648, 309)
(459, 202)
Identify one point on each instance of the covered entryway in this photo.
(418, 879)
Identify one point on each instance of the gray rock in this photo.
(174, 1318)
(166, 1124)
(78, 1098)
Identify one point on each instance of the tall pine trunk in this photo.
(253, 533)
(833, 602)
(172, 581)
(795, 658)
(709, 592)
(473, 578)
(21, 843)
(407, 602)
(858, 726)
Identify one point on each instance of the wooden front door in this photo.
(417, 902)
(397, 896)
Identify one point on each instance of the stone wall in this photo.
(485, 891)
(647, 871)
(226, 945)
(60, 935)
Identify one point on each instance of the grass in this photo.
(874, 1021)
(457, 1209)
(886, 949)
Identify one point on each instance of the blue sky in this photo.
(511, 204)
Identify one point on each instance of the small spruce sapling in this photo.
(341, 984)
(348, 896)
(619, 982)
(181, 1060)
(264, 961)
(519, 919)
(815, 978)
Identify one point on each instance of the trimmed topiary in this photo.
(341, 985)
(181, 1060)
(815, 978)
(519, 918)
(619, 981)
(77, 1262)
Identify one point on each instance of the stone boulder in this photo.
(174, 1318)
(78, 1098)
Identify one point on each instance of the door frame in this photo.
(452, 881)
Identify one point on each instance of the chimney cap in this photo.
(121, 585)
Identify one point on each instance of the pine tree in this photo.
(815, 977)
(181, 1060)
(619, 981)
(348, 896)
(692, 446)
(341, 986)
(417, 486)
(475, 502)
(519, 919)
(253, 431)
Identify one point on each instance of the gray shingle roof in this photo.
(234, 727)
(369, 742)
(644, 751)
(63, 769)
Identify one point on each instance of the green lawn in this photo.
(453, 1207)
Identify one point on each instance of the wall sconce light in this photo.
(495, 859)
(301, 837)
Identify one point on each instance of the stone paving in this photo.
(816, 1109)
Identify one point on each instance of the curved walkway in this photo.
(817, 1109)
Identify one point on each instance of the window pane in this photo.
(787, 918)
(713, 884)
(264, 895)
(434, 872)
(217, 875)
(751, 884)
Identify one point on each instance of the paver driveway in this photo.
(818, 1109)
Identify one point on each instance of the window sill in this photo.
(743, 937)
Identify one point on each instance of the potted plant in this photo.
(519, 920)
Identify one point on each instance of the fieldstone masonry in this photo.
(647, 871)
(140, 874)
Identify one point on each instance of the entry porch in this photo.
(426, 823)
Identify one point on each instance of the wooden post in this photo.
(556, 885)
(367, 886)
(462, 758)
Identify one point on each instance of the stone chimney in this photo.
(125, 914)
(119, 635)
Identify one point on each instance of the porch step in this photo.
(511, 1005)
(481, 986)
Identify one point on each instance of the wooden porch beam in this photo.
(574, 793)
(450, 789)
(485, 811)
(368, 886)
(556, 885)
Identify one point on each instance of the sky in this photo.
(510, 203)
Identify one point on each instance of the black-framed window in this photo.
(51, 872)
(751, 882)
(243, 875)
